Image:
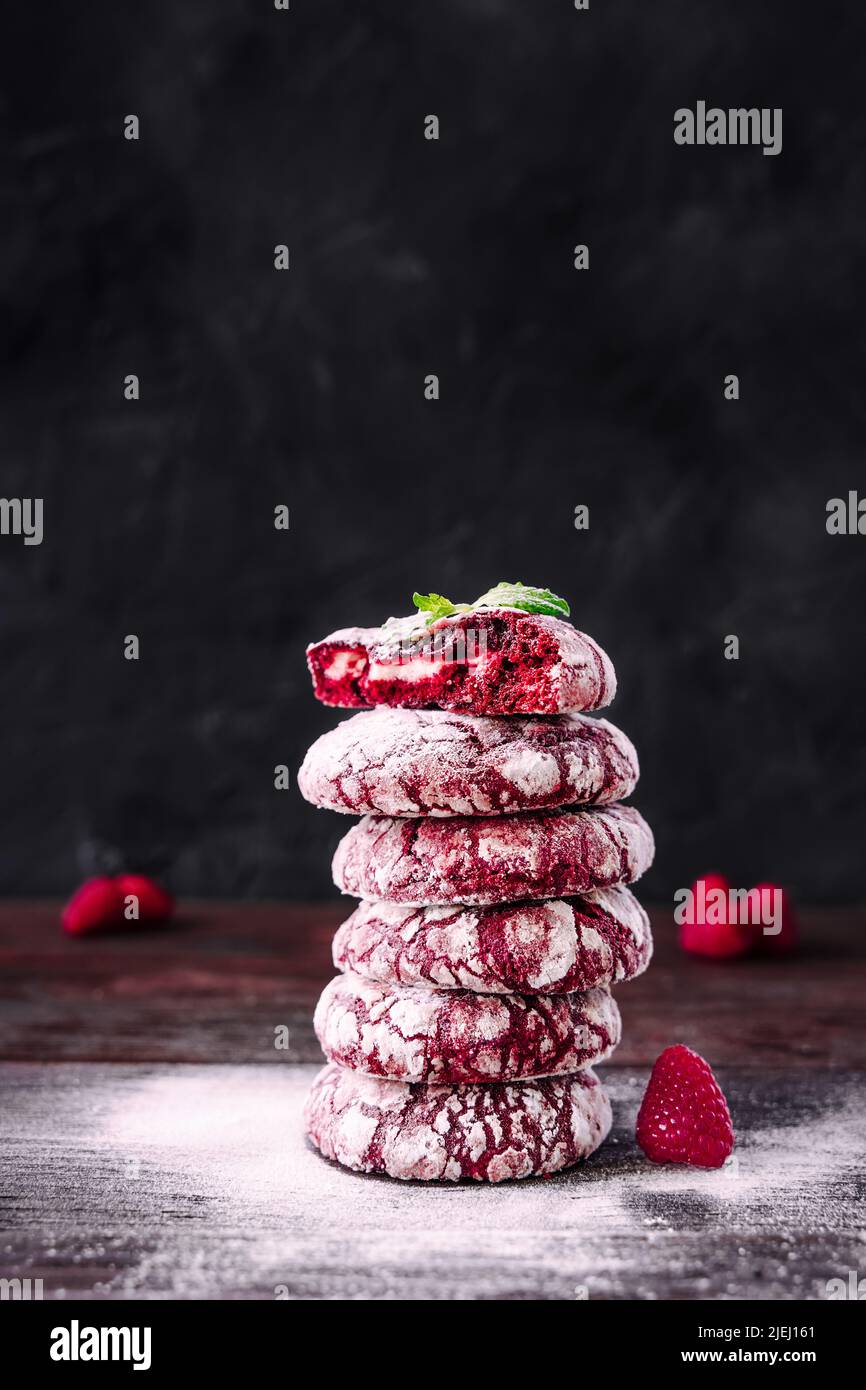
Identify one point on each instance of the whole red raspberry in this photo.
(684, 1117)
(710, 933)
(96, 906)
(773, 901)
(154, 904)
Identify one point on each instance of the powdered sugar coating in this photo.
(510, 662)
(551, 947)
(417, 1034)
(488, 1133)
(485, 860)
(403, 762)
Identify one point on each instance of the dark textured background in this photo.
(707, 517)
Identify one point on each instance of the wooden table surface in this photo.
(151, 1141)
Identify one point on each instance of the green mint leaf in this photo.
(524, 596)
(433, 606)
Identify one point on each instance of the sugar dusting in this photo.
(488, 860)
(403, 762)
(216, 1190)
(549, 947)
(413, 1034)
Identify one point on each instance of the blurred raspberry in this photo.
(785, 941)
(96, 906)
(717, 937)
(154, 903)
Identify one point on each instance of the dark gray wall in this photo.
(558, 388)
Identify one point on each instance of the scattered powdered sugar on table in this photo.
(213, 1191)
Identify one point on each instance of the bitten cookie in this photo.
(551, 947)
(484, 860)
(489, 661)
(415, 1034)
(401, 762)
(489, 1133)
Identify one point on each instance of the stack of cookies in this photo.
(491, 864)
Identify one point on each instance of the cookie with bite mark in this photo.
(487, 661)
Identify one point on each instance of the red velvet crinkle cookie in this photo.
(413, 1034)
(485, 860)
(551, 947)
(489, 1133)
(489, 661)
(400, 762)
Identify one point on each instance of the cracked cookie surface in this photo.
(488, 1133)
(485, 860)
(551, 947)
(411, 1033)
(400, 762)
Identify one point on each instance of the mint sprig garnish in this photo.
(432, 607)
(524, 596)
